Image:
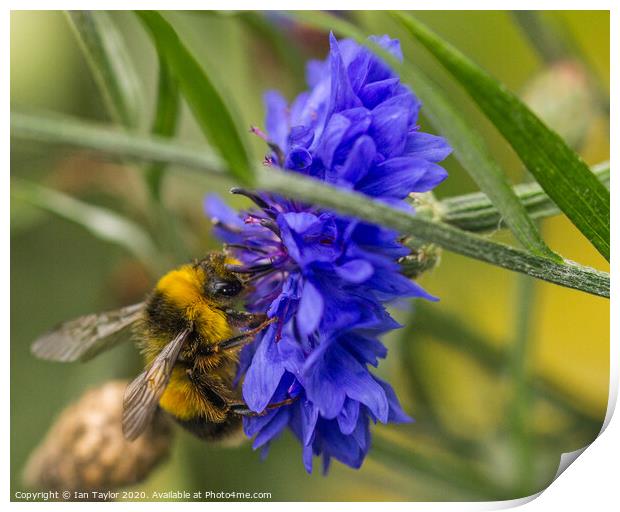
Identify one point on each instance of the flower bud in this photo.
(424, 256)
(562, 97)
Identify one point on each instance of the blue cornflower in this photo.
(325, 277)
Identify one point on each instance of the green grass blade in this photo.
(471, 151)
(164, 123)
(558, 169)
(101, 222)
(469, 146)
(111, 65)
(59, 129)
(203, 97)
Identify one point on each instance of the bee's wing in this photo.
(143, 393)
(86, 336)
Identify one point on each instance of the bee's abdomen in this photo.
(213, 431)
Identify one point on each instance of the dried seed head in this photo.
(85, 449)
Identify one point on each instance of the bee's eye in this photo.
(227, 288)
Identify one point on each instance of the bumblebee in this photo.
(190, 335)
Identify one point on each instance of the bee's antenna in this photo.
(254, 269)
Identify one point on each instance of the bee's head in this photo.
(220, 284)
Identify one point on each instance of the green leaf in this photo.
(468, 144)
(471, 151)
(203, 97)
(312, 191)
(559, 170)
(110, 63)
(101, 222)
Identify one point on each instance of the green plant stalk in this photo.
(475, 212)
(112, 69)
(426, 415)
(108, 140)
(548, 45)
(109, 61)
(519, 404)
(559, 170)
(567, 274)
(165, 125)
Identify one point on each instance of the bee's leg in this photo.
(242, 409)
(244, 319)
(243, 338)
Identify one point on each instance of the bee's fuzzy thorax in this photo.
(178, 301)
(179, 295)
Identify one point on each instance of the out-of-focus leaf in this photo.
(164, 123)
(286, 50)
(109, 60)
(558, 169)
(101, 222)
(110, 141)
(203, 97)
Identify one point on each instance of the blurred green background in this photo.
(473, 433)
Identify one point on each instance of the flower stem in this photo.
(153, 149)
(475, 212)
(569, 274)
(519, 405)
